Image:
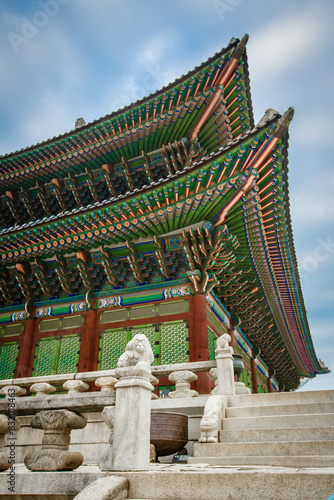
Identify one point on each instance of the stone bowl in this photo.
(169, 432)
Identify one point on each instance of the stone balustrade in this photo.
(122, 392)
(77, 383)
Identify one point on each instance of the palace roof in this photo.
(178, 186)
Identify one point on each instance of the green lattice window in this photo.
(212, 337)
(169, 342)
(112, 345)
(57, 355)
(246, 378)
(8, 356)
(174, 342)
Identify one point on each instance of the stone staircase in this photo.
(277, 429)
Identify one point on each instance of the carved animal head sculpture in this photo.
(137, 351)
(223, 341)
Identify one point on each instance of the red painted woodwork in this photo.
(87, 345)
(25, 357)
(254, 376)
(198, 340)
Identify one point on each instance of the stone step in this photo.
(274, 461)
(182, 482)
(273, 398)
(203, 482)
(280, 409)
(285, 448)
(279, 422)
(294, 434)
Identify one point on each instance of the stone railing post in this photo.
(225, 371)
(7, 426)
(54, 455)
(182, 381)
(132, 419)
(105, 462)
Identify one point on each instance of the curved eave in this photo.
(312, 364)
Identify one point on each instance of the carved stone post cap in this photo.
(224, 352)
(213, 373)
(13, 390)
(134, 371)
(42, 389)
(182, 376)
(106, 383)
(58, 420)
(75, 386)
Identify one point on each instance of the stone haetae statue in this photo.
(209, 427)
(137, 352)
(223, 341)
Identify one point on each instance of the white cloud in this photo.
(152, 50)
(285, 43)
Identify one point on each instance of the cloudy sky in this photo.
(64, 59)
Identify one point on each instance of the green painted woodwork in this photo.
(174, 342)
(246, 378)
(8, 356)
(212, 337)
(46, 357)
(56, 355)
(260, 388)
(11, 330)
(49, 325)
(68, 354)
(169, 342)
(112, 345)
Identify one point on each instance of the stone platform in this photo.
(180, 482)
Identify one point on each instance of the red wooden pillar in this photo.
(231, 334)
(270, 389)
(254, 376)
(25, 353)
(87, 345)
(198, 341)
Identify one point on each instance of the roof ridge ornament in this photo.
(79, 122)
(283, 123)
(269, 115)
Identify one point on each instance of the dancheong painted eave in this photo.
(204, 199)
